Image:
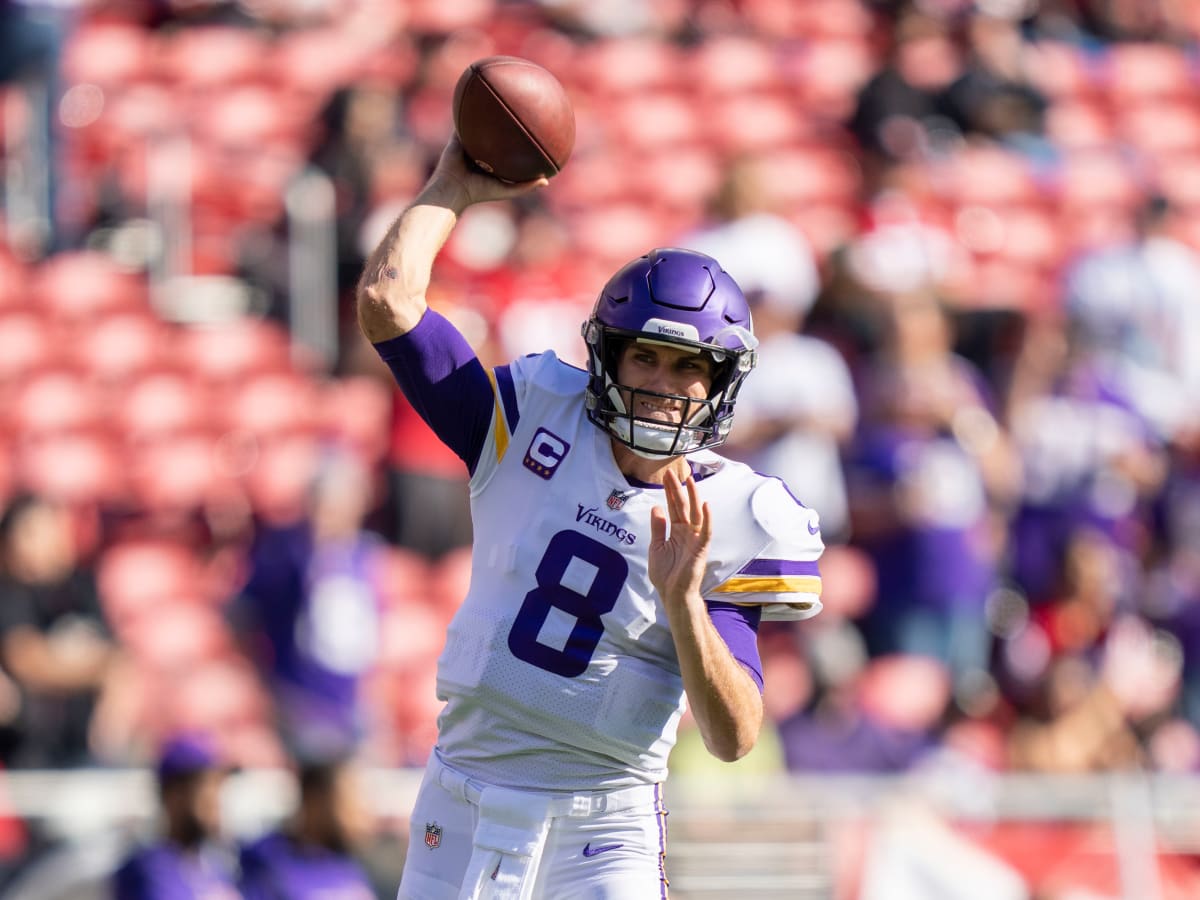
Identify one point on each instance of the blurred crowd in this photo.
(970, 231)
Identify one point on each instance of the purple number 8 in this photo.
(601, 596)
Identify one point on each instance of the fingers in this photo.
(697, 511)
(658, 525)
(683, 502)
(481, 186)
(706, 527)
(676, 498)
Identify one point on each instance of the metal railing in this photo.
(738, 837)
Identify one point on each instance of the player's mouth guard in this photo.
(651, 438)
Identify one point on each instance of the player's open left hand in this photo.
(678, 554)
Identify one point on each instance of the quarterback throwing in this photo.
(620, 567)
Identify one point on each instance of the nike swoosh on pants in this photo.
(589, 850)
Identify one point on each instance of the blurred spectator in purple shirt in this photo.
(312, 856)
(931, 474)
(309, 612)
(878, 715)
(189, 861)
(1090, 458)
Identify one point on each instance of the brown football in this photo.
(513, 118)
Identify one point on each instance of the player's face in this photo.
(663, 370)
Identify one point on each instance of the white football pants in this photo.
(470, 841)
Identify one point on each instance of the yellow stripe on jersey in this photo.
(498, 419)
(779, 584)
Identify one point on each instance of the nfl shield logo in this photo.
(617, 498)
(433, 835)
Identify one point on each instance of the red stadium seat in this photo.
(1100, 178)
(1160, 127)
(593, 178)
(628, 66)
(829, 75)
(905, 691)
(733, 65)
(450, 579)
(235, 350)
(83, 284)
(1080, 124)
(655, 119)
(1140, 72)
(990, 176)
(402, 576)
(219, 695)
(142, 164)
(685, 178)
(309, 64)
(163, 403)
(54, 401)
(14, 282)
(26, 343)
(1085, 228)
(1177, 176)
(209, 58)
(174, 474)
(755, 122)
(788, 681)
(272, 404)
(827, 225)
(614, 233)
(248, 117)
(410, 638)
(137, 577)
(75, 468)
(1032, 237)
(805, 174)
(838, 19)
(278, 480)
(176, 635)
(436, 17)
(8, 473)
(356, 412)
(410, 703)
(107, 54)
(120, 347)
(254, 745)
(849, 582)
(1063, 70)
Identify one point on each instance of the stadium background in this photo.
(189, 188)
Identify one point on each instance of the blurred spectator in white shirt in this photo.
(1135, 308)
(798, 408)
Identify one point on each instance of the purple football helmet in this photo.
(682, 299)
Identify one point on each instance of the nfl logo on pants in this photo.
(433, 835)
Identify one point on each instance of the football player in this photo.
(620, 567)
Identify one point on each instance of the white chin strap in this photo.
(651, 440)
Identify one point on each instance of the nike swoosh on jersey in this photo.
(589, 850)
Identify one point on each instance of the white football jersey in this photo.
(559, 671)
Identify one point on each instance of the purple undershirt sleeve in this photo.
(444, 381)
(738, 627)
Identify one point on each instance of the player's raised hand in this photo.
(469, 184)
(678, 553)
